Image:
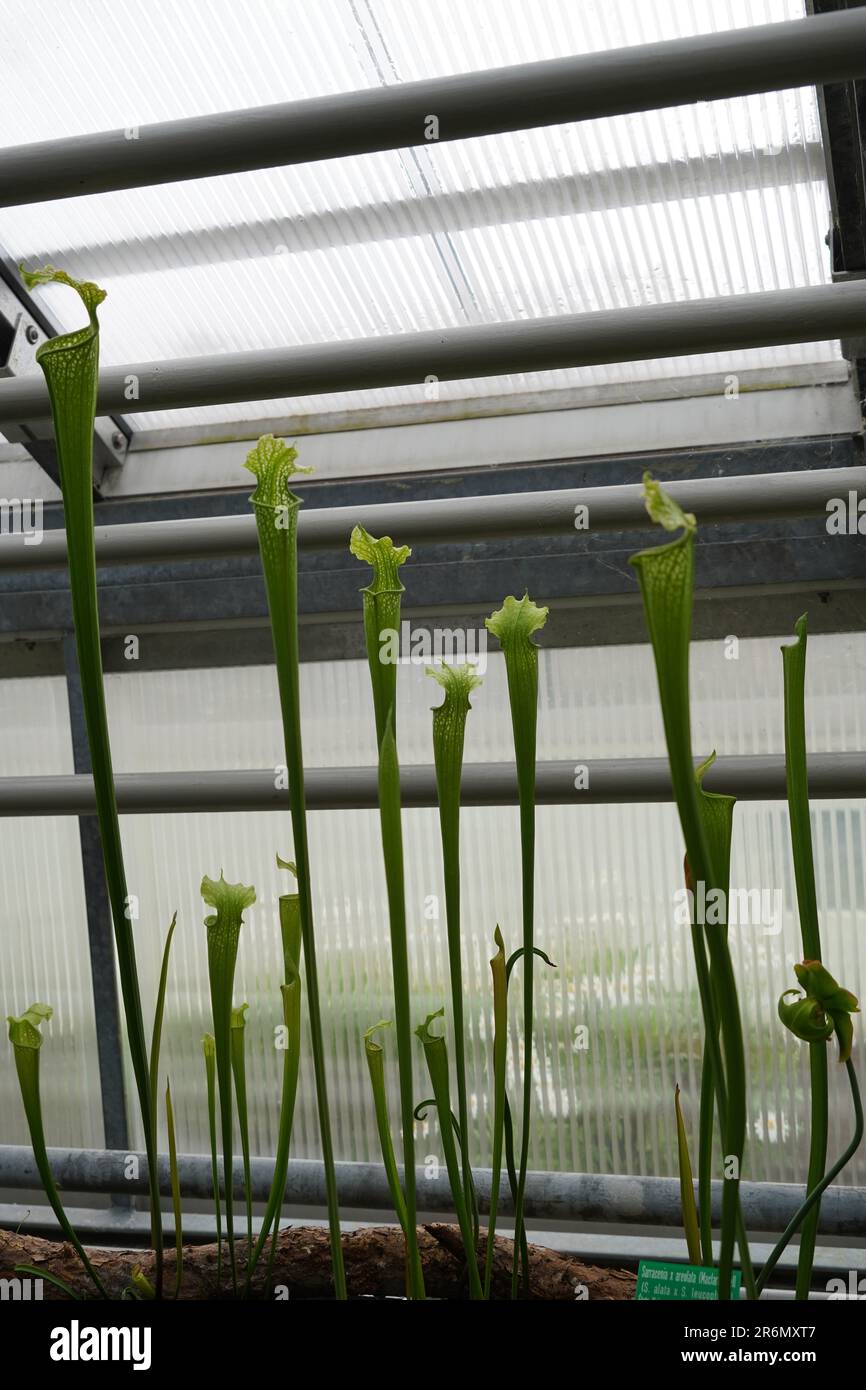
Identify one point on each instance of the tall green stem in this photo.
(174, 1178)
(666, 576)
(155, 1046)
(276, 510)
(158, 1015)
(449, 732)
(71, 367)
(500, 1053)
(687, 1187)
(705, 1156)
(290, 931)
(381, 626)
(513, 624)
(392, 840)
(239, 1075)
(291, 996)
(376, 1066)
(209, 1048)
(794, 672)
(713, 1087)
(223, 936)
(717, 813)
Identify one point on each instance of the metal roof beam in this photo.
(736, 62)
(818, 313)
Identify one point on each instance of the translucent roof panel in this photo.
(721, 198)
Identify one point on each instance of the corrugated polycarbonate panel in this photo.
(43, 927)
(606, 879)
(720, 198)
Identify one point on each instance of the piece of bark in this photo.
(302, 1268)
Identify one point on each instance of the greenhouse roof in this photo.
(722, 198)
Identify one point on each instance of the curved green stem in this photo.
(435, 1051)
(26, 1039)
(40, 1272)
(813, 1199)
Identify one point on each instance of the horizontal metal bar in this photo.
(760, 389)
(549, 1196)
(816, 313)
(112, 1226)
(767, 57)
(755, 385)
(755, 497)
(608, 781)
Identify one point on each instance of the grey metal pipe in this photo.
(607, 781)
(769, 57)
(727, 323)
(117, 1226)
(549, 1196)
(756, 497)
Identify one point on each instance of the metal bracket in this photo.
(842, 108)
(23, 326)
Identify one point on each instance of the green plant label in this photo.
(665, 1279)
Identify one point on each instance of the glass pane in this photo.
(44, 926)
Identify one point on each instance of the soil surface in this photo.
(302, 1267)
